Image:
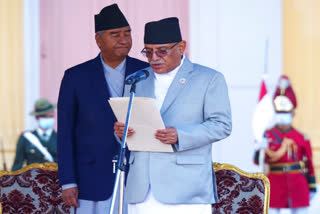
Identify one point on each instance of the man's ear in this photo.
(181, 47)
(98, 39)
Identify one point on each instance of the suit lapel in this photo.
(98, 79)
(178, 84)
(130, 66)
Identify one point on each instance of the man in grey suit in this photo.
(194, 105)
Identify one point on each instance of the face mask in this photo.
(284, 118)
(46, 123)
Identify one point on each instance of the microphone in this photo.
(140, 75)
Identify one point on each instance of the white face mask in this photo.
(284, 118)
(46, 122)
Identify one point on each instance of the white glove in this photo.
(262, 144)
(312, 194)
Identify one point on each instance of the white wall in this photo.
(230, 36)
(31, 59)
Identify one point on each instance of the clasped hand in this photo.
(286, 146)
(168, 135)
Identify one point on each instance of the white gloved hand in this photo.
(262, 144)
(312, 194)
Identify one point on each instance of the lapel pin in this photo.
(182, 81)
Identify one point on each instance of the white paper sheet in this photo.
(145, 120)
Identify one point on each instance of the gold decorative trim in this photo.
(45, 166)
(313, 185)
(225, 166)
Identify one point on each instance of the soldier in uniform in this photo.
(288, 156)
(38, 146)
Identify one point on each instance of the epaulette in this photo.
(305, 136)
(22, 133)
(265, 132)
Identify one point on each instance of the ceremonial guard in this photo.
(38, 146)
(288, 156)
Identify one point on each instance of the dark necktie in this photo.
(45, 136)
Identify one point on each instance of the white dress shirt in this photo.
(44, 135)
(162, 83)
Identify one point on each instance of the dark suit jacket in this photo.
(86, 142)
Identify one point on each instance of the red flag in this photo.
(263, 90)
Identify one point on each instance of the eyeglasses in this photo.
(160, 53)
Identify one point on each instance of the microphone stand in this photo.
(120, 175)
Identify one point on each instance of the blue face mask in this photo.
(46, 123)
(284, 118)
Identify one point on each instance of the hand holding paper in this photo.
(119, 129)
(167, 136)
(145, 121)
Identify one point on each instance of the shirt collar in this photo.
(41, 132)
(119, 68)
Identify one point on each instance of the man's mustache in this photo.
(156, 62)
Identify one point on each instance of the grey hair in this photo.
(100, 32)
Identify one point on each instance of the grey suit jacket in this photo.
(197, 105)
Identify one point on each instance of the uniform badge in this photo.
(32, 151)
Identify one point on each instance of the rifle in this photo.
(3, 155)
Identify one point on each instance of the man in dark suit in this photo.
(86, 142)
